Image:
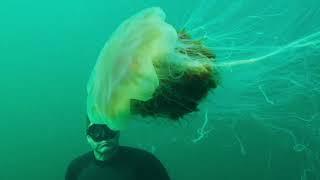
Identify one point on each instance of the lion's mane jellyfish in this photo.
(149, 68)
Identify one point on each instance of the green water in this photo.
(263, 122)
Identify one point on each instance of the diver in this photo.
(109, 160)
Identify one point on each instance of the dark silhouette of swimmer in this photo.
(110, 161)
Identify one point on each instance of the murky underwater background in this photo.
(263, 122)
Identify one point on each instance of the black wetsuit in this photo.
(127, 164)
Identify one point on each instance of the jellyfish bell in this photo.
(124, 69)
(148, 68)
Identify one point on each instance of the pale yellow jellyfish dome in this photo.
(125, 70)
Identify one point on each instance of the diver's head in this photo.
(102, 139)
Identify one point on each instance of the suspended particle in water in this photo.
(299, 147)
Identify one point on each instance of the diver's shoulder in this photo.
(82, 159)
(132, 149)
(141, 153)
(77, 165)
